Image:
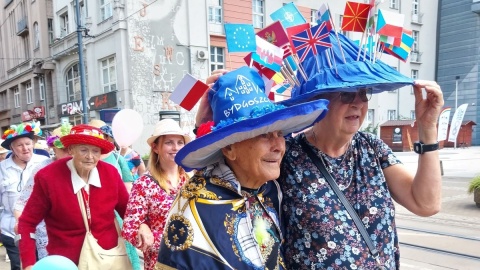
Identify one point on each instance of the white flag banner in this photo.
(443, 124)
(457, 122)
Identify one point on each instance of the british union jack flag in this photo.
(311, 41)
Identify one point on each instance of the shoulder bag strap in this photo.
(82, 209)
(353, 214)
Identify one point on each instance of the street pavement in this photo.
(459, 216)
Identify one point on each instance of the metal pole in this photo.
(456, 99)
(81, 65)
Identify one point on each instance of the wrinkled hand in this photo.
(427, 110)
(145, 238)
(204, 113)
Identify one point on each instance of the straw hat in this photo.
(167, 127)
(86, 134)
(97, 123)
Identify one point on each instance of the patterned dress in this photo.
(216, 224)
(149, 204)
(319, 233)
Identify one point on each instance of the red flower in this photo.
(28, 128)
(205, 128)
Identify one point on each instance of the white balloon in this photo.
(127, 126)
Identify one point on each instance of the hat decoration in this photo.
(54, 140)
(86, 134)
(16, 132)
(241, 111)
(36, 128)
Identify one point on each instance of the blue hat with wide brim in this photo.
(235, 120)
(345, 77)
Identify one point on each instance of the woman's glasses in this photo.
(365, 95)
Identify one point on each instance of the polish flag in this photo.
(188, 92)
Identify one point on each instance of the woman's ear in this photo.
(229, 152)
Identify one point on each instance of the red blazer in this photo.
(53, 200)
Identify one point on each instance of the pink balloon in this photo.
(127, 126)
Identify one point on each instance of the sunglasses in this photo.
(365, 95)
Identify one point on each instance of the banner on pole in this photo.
(443, 120)
(457, 122)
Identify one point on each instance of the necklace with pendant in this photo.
(338, 166)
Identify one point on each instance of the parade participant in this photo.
(153, 193)
(134, 161)
(226, 215)
(3, 152)
(14, 174)
(85, 193)
(319, 232)
(53, 142)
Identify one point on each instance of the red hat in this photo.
(86, 134)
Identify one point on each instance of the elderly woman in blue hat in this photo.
(227, 215)
(339, 184)
(14, 174)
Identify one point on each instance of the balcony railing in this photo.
(476, 6)
(417, 17)
(415, 57)
(22, 26)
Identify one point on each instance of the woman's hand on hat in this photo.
(204, 113)
(145, 238)
(427, 110)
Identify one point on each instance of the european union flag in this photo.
(240, 37)
(288, 15)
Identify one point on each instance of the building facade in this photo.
(459, 57)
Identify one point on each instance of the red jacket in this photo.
(53, 200)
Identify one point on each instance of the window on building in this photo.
(392, 115)
(414, 75)
(28, 90)
(16, 97)
(313, 15)
(412, 114)
(41, 87)
(51, 35)
(215, 11)
(217, 58)
(72, 83)
(105, 9)
(3, 100)
(258, 13)
(26, 47)
(82, 13)
(415, 7)
(340, 20)
(416, 36)
(109, 74)
(36, 33)
(394, 4)
(64, 30)
(370, 115)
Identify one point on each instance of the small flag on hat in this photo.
(188, 92)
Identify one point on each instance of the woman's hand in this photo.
(204, 113)
(427, 110)
(144, 238)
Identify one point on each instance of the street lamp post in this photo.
(81, 65)
(456, 101)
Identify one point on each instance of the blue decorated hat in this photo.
(242, 111)
(345, 77)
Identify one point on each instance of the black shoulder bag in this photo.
(353, 214)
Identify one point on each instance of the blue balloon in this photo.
(55, 262)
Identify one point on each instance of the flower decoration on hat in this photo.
(54, 140)
(36, 128)
(15, 130)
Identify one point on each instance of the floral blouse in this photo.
(149, 204)
(319, 233)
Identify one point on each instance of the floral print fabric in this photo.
(319, 233)
(149, 204)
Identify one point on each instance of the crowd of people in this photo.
(244, 194)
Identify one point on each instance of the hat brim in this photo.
(72, 139)
(206, 150)
(6, 144)
(153, 138)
